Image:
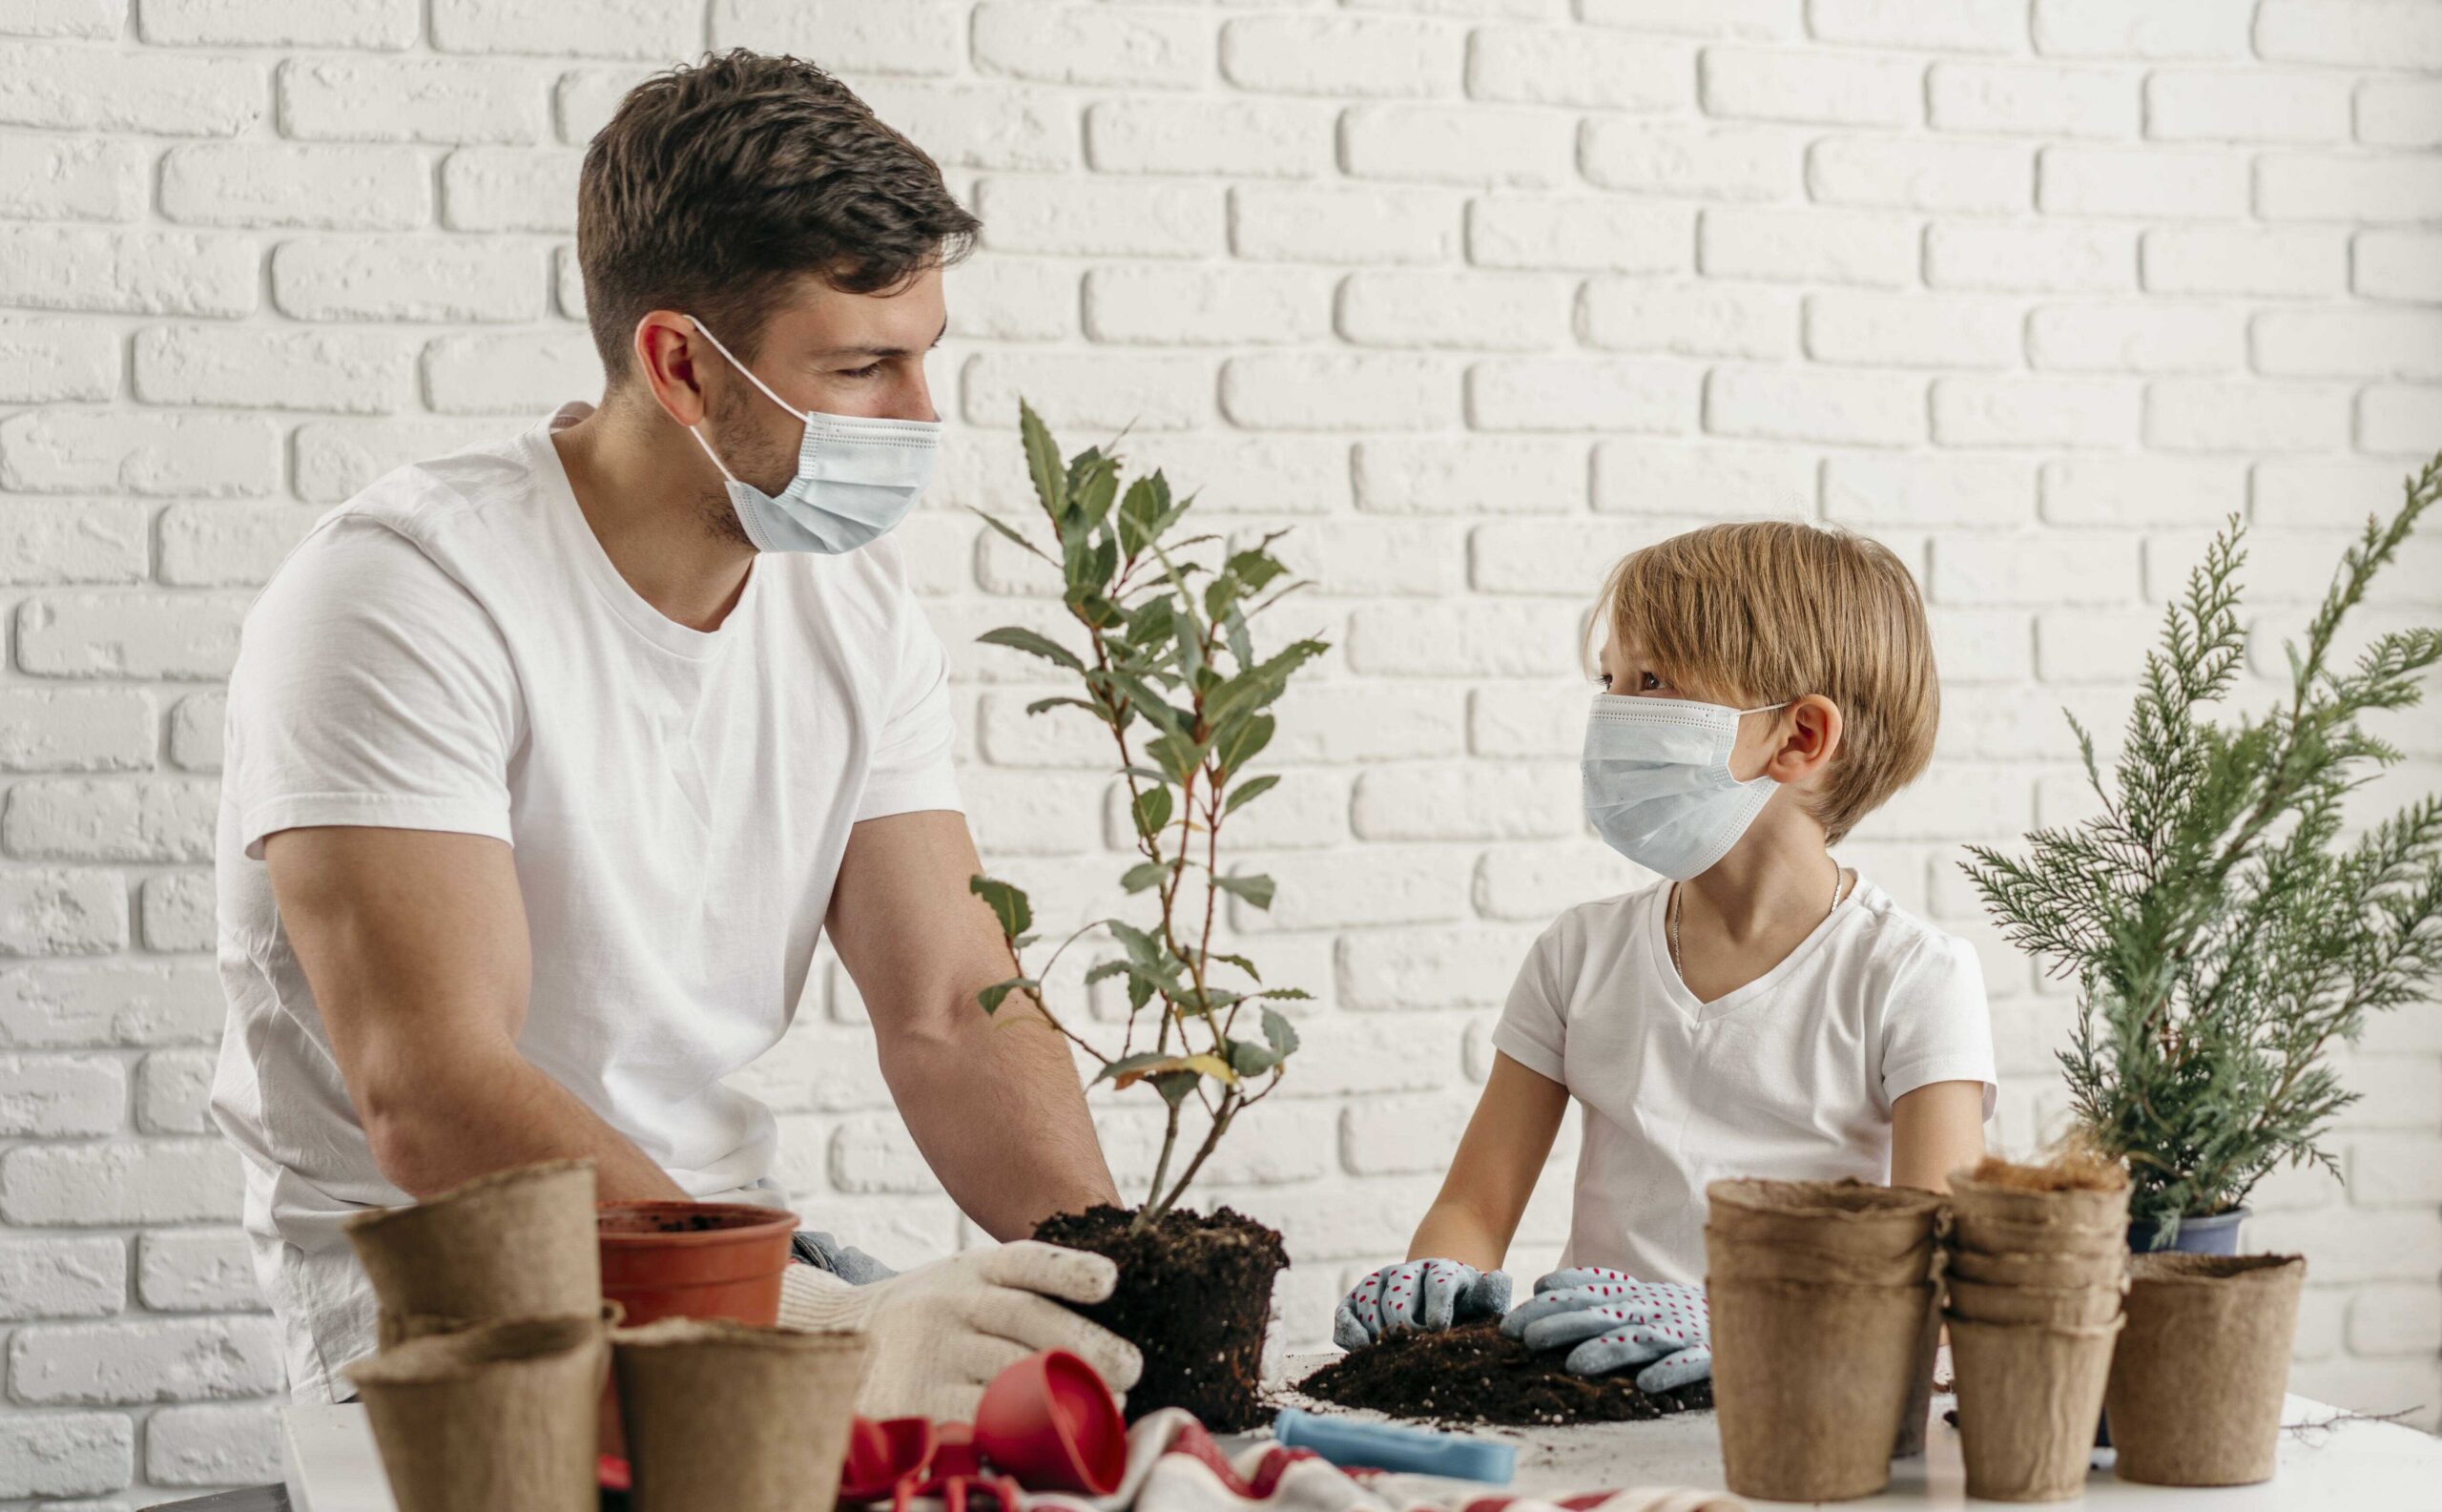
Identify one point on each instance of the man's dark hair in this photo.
(717, 187)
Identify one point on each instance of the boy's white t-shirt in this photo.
(1792, 1076)
(452, 650)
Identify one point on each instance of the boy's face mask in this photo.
(855, 478)
(1658, 784)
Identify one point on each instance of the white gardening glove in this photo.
(942, 1330)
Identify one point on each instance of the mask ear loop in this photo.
(800, 415)
(705, 333)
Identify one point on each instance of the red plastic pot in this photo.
(693, 1259)
(1049, 1421)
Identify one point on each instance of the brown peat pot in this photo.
(2197, 1383)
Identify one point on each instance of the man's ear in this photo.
(1811, 728)
(669, 356)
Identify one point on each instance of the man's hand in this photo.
(994, 1101)
(1609, 1322)
(415, 944)
(943, 1331)
(1420, 1294)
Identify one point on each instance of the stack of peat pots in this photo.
(1824, 1322)
(2038, 1262)
(494, 1343)
(487, 1394)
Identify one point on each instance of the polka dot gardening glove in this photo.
(1418, 1294)
(1610, 1321)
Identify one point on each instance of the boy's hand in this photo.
(1609, 1321)
(1418, 1294)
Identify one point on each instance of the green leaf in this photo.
(1140, 513)
(1152, 809)
(1042, 463)
(1239, 742)
(1246, 792)
(1006, 528)
(1042, 705)
(1008, 904)
(1279, 1032)
(1176, 757)
(991, 997)
(1250, 1059)
(1094, 490)
(1140, 946)
(1256, 889)
(1239, 961)
(1017, 638)
(1174, 1086)
(1257, 566)
(1143, 875)
(1103, 972)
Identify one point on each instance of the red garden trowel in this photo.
(1046, 1423)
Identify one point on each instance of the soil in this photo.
(1194, 1293)
(1474, 1374)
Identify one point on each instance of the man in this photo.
(549, 761)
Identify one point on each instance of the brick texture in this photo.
(1477, 293)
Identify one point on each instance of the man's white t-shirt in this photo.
(452, 650)
(1792, 1076)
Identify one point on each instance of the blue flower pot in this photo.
(2215, 1234)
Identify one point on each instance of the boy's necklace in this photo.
(1679, 908)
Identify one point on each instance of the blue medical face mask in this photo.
(1658, 785)
(855, 478)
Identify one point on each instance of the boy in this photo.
(1760, 1011)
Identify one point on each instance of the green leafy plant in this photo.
(1171, 668)
(2222, 926)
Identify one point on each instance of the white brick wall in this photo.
(1476, 293)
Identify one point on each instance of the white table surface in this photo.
(332, 1465)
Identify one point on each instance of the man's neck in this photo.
(638, 482)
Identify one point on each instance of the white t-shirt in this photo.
(452, 650)
(1792, 1076)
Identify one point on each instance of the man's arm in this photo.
(993, 1101)
(415, 943)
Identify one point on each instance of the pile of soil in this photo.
(1474, 1374)
(1194, 1295)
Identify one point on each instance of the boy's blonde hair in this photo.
(1761, 611)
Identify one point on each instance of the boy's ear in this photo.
(1811, 734)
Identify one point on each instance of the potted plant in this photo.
(2223, 924)
(1165, 658)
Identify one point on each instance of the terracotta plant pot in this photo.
(724, 1414)
(2107, 1269)
(2028, 1397)
(693, 1259)
(1812, 1385)
(2076, 1306)
(496, 1418)
(689, 1259)
(2196, 1387)
(514, 1244)
(1194, 1296)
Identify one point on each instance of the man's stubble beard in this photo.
(752, 457)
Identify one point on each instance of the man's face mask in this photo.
(855, 478)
